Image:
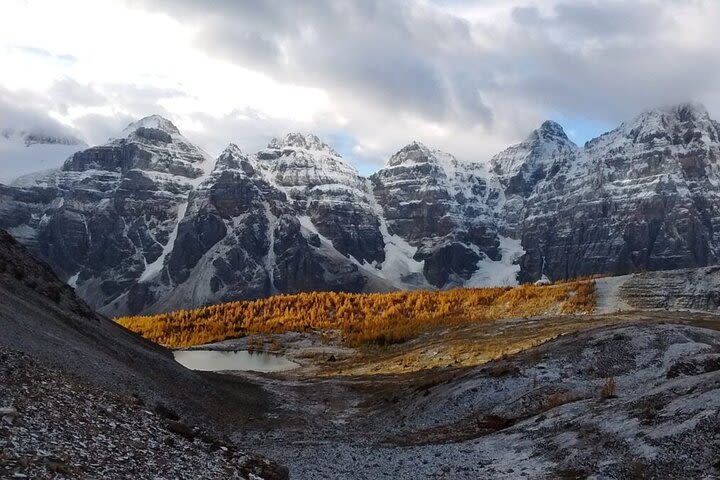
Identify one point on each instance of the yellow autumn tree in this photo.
(362, 318)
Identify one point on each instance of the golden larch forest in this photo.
(378, 318)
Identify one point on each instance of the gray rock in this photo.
(8, 414)
(641, 197)
(442, 207)
(149, 222)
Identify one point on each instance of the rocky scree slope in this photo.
(149, 222)
(41, 316)
(55, 425)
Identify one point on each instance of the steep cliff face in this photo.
(149, 222)
(218, 239)
(110, 211)
(329, 192)
(240, 235)
(442, 207)
(643, 196)
(520, 169)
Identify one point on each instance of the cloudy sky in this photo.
(368, 76)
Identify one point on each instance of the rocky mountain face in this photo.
(111, 212)
(244, 235)
(149, 222)
(441, 207)
(522, 167)
(643, 196)
(327, 191)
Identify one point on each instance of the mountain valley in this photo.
(549, 313)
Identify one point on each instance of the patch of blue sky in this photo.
(40, 52)
(344, 144)
(581, 129)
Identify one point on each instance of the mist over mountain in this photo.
(24, 152)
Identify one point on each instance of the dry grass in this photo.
(503, 370)
(557, 399)
(380, 319)
(608, 389)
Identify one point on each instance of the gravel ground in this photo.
(538, 414)
(54, 425)
(74, 402)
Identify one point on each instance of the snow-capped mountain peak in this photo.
(530, 160)
(412, 153)
(416, 154)
(233, 150)
(152, 148)
(307, 141)
(683, 111)
(233, 158)
(680, 124)
(665, 118)
(551, 130)
(145, 222)
(303, 160)
(156, 122)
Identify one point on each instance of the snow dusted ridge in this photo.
(150, 222)
(643, 196)
(304, 161)
(158, 224)
(153, 121)
(522, 167)
(447, 210)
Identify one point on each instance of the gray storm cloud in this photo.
(614, 56)
(468, 77)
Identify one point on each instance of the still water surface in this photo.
(215, 361)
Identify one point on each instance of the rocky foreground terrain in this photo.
(54, 425)
(150, 222)
(638, 399)
(631, 394)
(81, 397)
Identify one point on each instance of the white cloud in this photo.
(469, 77)
(132, 63)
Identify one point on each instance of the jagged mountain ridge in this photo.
(521, 167)
(441, 207)
(111, 211)
(149, 222)
(643, 196)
